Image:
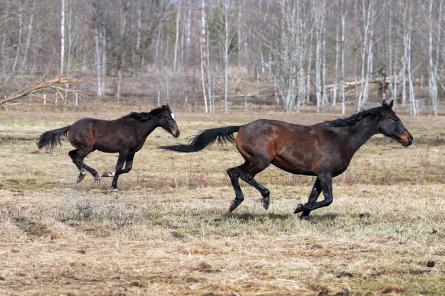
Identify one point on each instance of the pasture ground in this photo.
(167, 230)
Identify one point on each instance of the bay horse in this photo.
(323, 150)
(125, 136)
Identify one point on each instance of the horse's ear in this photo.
(388, 105)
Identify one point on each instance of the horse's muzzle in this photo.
(406, 139)
(176, 133)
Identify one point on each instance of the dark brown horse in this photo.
(125, 136)
(323, 150)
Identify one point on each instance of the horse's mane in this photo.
(353, 119)
(144, 116)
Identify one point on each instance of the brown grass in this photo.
(167, 231)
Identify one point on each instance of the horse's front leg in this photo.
(325, 181)
(315, 193)
(128, 163)
(118, 169)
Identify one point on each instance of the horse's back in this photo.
(292, 147)
(266, 135)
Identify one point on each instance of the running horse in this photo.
(323, 150)
(125, 136)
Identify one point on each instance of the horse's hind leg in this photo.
(248, 172)
(82, 171)
(234, 174)
(78, 156)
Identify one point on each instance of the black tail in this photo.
(51, 139)
(207, 137)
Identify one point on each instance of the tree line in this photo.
(214, 53)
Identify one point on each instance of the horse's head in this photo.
(391, 126)
(167, 121)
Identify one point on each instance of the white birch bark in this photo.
(19, 42)
(337, 60)
(432, 66)
(203, 54)
(62, 36)
(176, 49)
(343, 20)
(226, 45)
(318, 55)
(309, 69)
(367, 14)
(28, 37)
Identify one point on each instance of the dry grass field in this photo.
(166, 231)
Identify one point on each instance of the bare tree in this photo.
(288, 52)
(28, 36)
(433, 65)
(120, 50)
(176, 49)
(62, 36)
(342, 55)
(19, 40)
(101, 44)
(203, 54)
(319, 28)
(366, 66)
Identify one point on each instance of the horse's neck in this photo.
(147, 128)
(360, 132)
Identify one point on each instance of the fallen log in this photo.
(53, 83)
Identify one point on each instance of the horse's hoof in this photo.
(97, 180)
(304, 217)
(265, 201)
(299, 209)
(108, 174)
(80, 178)
(233, 205)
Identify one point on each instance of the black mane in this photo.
(144, 116)
(353, 119)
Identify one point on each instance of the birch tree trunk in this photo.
(203, 54)
(62, 36)
(175, 55)
(432, 66)
(367, 15)
(309, 69)
(100, 39)
(122, 43)
(324, 99)
(337, 60)
(301, 54)
(28, 37)
(407, 28)
(319, 15)
(226, 54)
(343, 99)
(19, 42)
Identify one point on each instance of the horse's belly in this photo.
(293, 167)
(107, 148)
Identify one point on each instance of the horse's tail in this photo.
(51, 139)
(207, 137)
